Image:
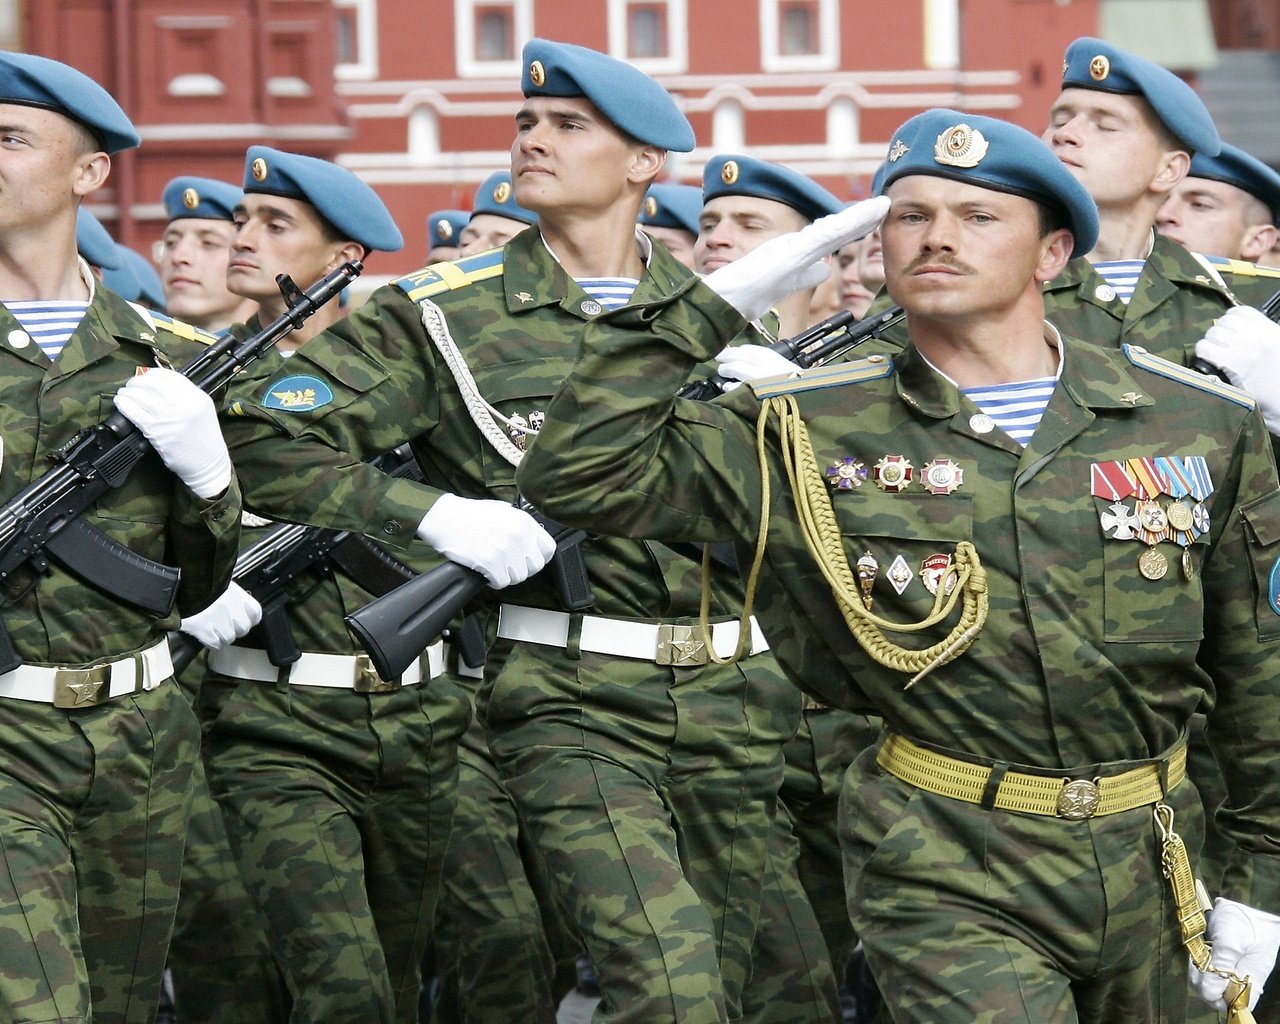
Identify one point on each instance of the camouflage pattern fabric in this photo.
(339, 806)
(94, 802)
(377, 381)
(1082, 662)
(503, 950)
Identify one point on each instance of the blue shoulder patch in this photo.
(451, 274)
(855, 372)
(299, 393)
(1273, 588)
(1143, 359)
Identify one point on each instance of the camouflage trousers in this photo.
(804, 938)
(220, 959)
(93, 807)
(504, 953)
(338, 806)
(648, 792)
(968, 914)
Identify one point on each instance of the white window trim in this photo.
(826, 59)
(365, 66)
(677, 59)
(464, 21)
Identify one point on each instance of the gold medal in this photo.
(1188, 566)
(1152, 564)
(1152, 517)
(1179, 516)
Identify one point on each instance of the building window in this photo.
(651, 34)
(799, 35)
(357, 39)
(490, 36)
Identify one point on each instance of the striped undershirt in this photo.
(1122, 275)
(1016, 407)
(610, 292)
(50, 323)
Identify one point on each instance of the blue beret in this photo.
(1092, 64)
(746, 176)
(634, 102)
(992, 154)
(346, 202)
(672, 206)
(40, 82)
(1238, 168)
(201, 198)
(94, 243)
(495, 195)
(135, 279)
(444, 227)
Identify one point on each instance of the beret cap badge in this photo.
(502, 192)
(650, 206)
(259, 169)
(190, 198)
(898, 151)
(1099, 68)
(960, 146)
(537, 73)
(729, 172)
(444, 229)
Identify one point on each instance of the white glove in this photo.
(743, 363)
(1245, 344)
(225, 621)
(1245, 941)
(790, 262)
(182, 425)
(504, 544)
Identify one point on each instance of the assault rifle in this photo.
(394, 628)
(268, 567)
(824, 340)
(43, 521)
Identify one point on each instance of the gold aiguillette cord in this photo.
(1176, 866)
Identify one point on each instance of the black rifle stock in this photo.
(396, 628)
(824, 340)
(42, 521)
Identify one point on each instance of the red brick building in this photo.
(417, 96)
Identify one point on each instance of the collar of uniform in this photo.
(530, 274)
(1173, 262)
(1100, 377)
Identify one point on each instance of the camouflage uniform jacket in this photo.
(1082, 660)
(63, 620)
(1175, 301)
(375, 379)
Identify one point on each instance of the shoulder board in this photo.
(832, 376)
(1242, 268)
(450, 275)
(1144, 360)
(176, 327)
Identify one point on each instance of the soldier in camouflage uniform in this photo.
(337, 789)
(96, 741)
(645, 774)
(1004, 840)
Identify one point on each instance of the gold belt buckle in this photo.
(81, 687)
(680, 646)
(367, 679)
(1078, 799)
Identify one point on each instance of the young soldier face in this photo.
(488, 231)
(276, 235)
(43, 166)
(1217, 219)
(731, 226)
(568, 158)
(1112, 144)
(960, 252)
(193, 256)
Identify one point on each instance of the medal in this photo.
(893, 473)
(1179, 516)
(899, 574)
(942, 476)
(935, 572)
(846, 474)
(1121, 519)
(1188, 565)
(867, 567)
(1152, 564)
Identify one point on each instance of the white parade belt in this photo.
(337, 671)
(91, 686)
